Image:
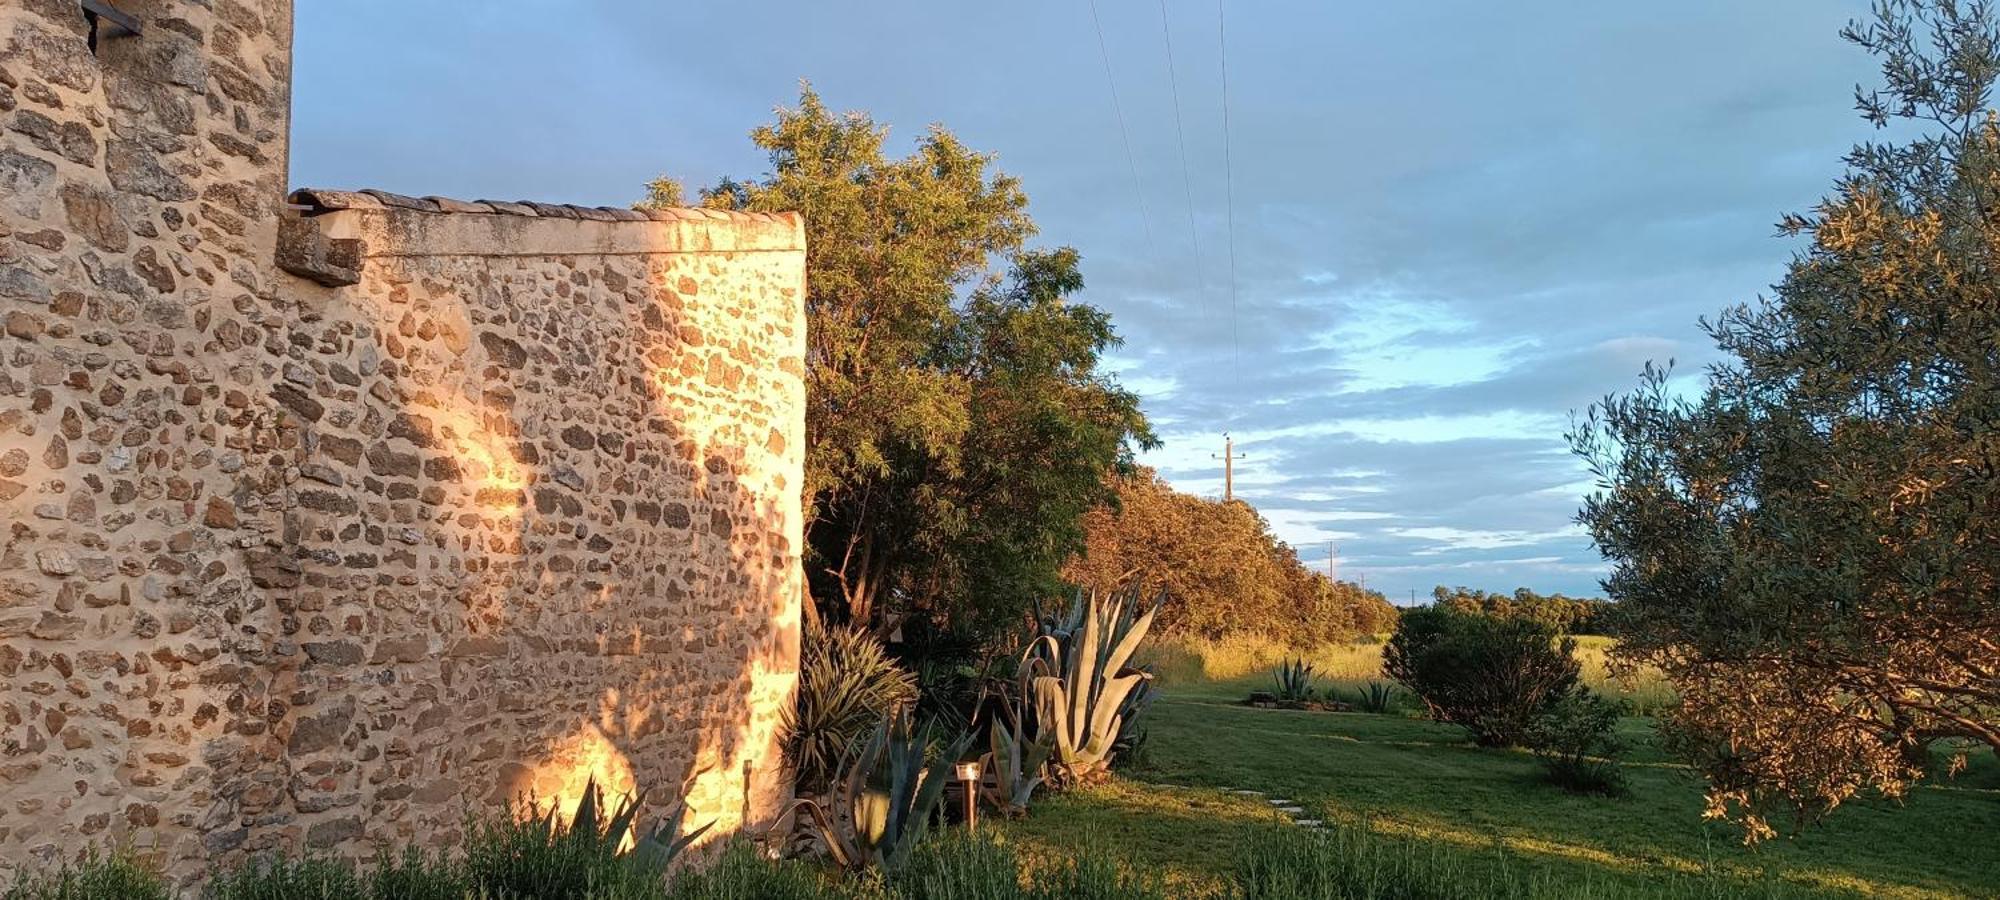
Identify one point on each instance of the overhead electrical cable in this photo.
(1229, 182)
(1187, 181)
(1118, 109)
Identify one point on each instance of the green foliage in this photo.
(1016, 762)
(1376, 697)
(1490, 676)
(1294, 681)
(957, 423)
(1078, 671)
(1807, 547)
(1576, 739)
(1353, 864)
(539, 853)
(882, 805)
(1094, 876)
(289, 878)
(1569, 615)
(958, 866)
(97, 876)
(741, 873)
(417, 875)
(847, 683)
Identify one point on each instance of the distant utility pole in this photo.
(1229, 459)
(1332, 553)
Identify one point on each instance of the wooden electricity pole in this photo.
(1229, 459)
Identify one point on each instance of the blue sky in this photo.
(1454, 223)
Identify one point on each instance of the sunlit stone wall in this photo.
(327, 526)
(545, 513)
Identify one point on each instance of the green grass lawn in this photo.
(1412, 779)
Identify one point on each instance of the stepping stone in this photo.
(1279, 802)
(1242, 793)
(1292, 810)
(1308, 823)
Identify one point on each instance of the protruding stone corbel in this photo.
(309, 254)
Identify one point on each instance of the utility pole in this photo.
(1229, 459)
(1332, 553)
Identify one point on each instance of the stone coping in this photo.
(392, 225)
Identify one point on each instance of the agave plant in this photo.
(1079, 675)
(885, 797)
(543, 853)
(1015, 763)
(1376, 697)
(1294, 681)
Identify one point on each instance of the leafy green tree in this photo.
(1810, 549)
(957, 424)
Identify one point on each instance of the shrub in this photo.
(97, 876)
(847, 683)
(288, 878)
(1574, 739)
(1491, 676)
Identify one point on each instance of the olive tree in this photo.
(1810, 548)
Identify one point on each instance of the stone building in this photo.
(331, 517)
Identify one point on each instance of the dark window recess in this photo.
(100, 13)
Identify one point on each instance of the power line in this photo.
(1229, 183)
(1187, 181)
(1131, 164)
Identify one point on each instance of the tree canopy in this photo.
(957, 423)
(1219, 568)
(1810, 548)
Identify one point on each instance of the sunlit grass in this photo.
(1408, 780)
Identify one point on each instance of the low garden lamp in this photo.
(968, 775)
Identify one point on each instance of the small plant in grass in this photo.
(98, 876)
(1293, 681)
(1575, 740)
(959, 866)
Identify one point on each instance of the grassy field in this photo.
(1408, 779)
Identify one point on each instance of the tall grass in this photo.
(1186, 660)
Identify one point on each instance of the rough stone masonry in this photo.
(330, 521)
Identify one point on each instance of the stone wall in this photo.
(326, 525)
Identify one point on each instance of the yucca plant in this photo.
(882, 804)
(1079, 675)
(1294, 680)
(847, 682)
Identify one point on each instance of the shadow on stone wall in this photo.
(543, 533)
